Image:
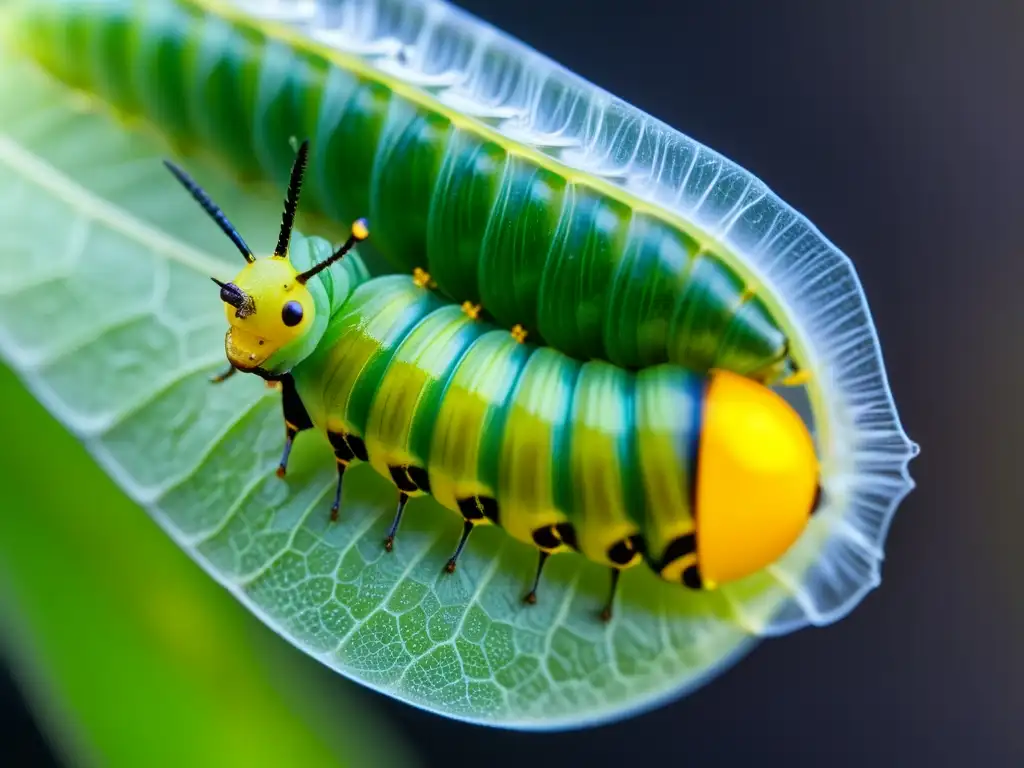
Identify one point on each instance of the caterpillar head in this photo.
(270, 308)
(757, 479)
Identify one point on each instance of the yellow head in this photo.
(757, 479)
(271, 311)
(267, 309)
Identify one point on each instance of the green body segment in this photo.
(529, 434)
(587, 271)
(329, 288)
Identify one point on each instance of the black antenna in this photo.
(360, 231)
(211, 208)
(291, 202)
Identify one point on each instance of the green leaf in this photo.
(107, 313)
(157, 668)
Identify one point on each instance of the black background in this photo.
(897, 127)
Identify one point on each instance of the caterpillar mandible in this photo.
(501, 177)
(621, 467)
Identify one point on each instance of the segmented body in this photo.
(557, 452)
(581, 264)
(419, 112)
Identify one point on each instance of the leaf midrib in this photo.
(63, 188)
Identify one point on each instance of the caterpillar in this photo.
(565, 455)
(574, 259)
(534, 200)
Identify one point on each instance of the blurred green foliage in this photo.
(128, 652)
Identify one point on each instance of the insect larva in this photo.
(538, 200)
(622, 467)
(578, 261)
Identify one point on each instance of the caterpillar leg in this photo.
(606, 612)
(336, 506)
(295, 419)
(475, 511)
(347, 448)
(786, 372)
(409, 480)
(623, 554)
(531, 596)
(231, 371)
(549, 540)
(389, 541)
(467, 528)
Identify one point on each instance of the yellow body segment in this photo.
(667, 424)
(423, 360)
(351, 347)
(601, 418)
(757, 478)
(474, 398)
(533, 439)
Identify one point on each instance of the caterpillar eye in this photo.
(291, 314)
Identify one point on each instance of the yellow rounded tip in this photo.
(756, 479)
(422, 278)
(798, 379)
(360, 229)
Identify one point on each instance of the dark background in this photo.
(896, 126)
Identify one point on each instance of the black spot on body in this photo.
(402, 480)
(554, 536)
(684, 546)
(341, 446)
(358, 447)
(490, 508)
(419, 477)
(818, 499)
(680, 547)
(567, 534)
(546, 538)
(474, 508)
(348, 446)
(624, 552)
(692, 579)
